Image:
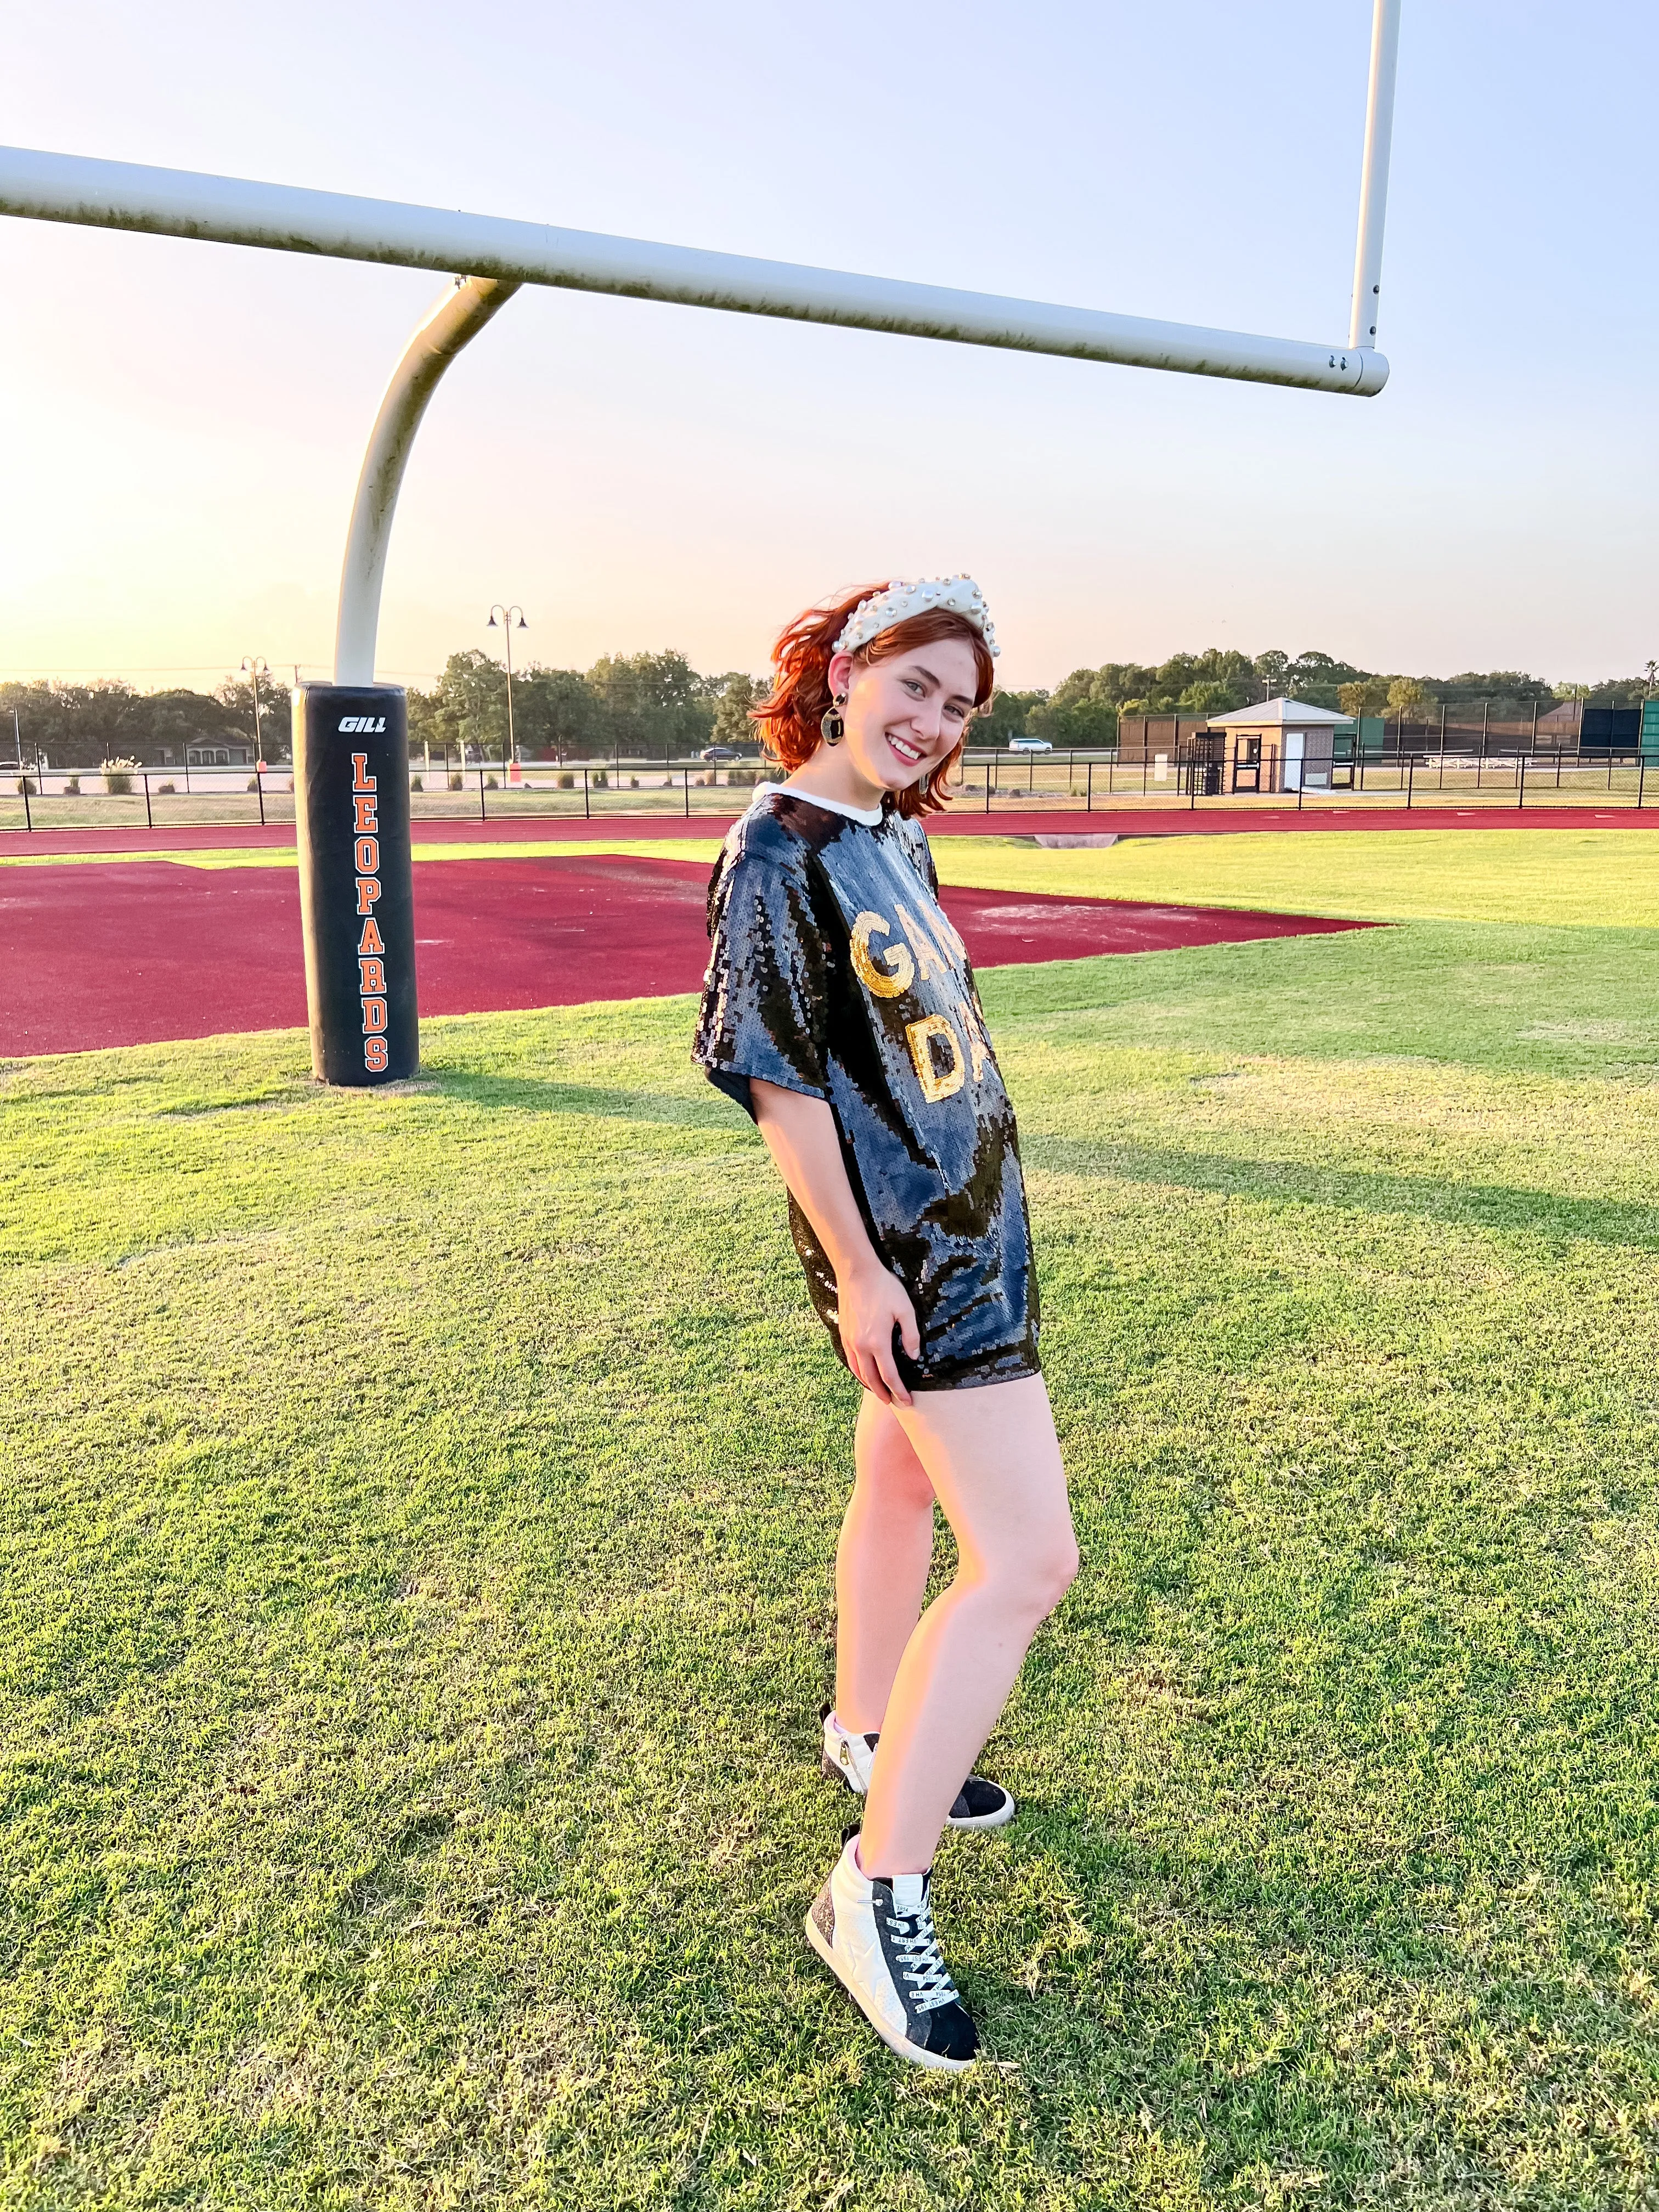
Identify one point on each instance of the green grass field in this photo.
(1576, 878)
(417, 1603)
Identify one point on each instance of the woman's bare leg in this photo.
(993, 1460)
(881, 1566)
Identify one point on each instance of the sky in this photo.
(183, 425)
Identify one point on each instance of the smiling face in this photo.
(905, 715)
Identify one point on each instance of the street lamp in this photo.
(254, 668)
(505, 623)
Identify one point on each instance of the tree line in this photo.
(78, 725)
(652, 706)
(657, 706)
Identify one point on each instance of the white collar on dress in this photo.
(871, 816)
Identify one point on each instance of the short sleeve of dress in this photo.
(765, 1000)
(925, 861)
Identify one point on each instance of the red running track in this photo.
(149, 952)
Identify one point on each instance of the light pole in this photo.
(254, 668)
(506, 614)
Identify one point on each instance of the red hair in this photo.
(790, 718)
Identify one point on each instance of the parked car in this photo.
(1029, 745)
(718, 753)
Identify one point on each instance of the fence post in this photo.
(1089, 802)
(482, 817)
(1301, 787)
(149, 821)
(28, 819)
(588, 807)
(258, 784)
(987, 787)
(686, 772)
(1641, 779)
(1520, 781)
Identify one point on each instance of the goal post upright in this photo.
(1374, 174)
(351, 797)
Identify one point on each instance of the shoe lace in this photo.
(921, 1961)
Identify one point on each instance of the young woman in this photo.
(839, 1009)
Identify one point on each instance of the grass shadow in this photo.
(1297, 1183)
(533, 1095)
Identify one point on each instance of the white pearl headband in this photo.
(956, 595)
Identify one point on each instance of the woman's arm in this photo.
(800, 1135)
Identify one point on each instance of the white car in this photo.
(1029, 745)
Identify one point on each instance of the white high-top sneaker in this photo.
(878, 1938)
(848, 1756)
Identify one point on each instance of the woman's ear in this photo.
(839, 673)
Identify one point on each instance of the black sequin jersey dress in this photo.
(835, 974)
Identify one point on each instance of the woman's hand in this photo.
(872, 1302)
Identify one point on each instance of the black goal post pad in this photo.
(356, 888)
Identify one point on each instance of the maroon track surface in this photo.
(149, 952)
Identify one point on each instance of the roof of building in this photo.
(1274, 715)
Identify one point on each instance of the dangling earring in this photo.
(829, 721)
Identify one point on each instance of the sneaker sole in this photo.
(1000, 1819)
(930, 2060)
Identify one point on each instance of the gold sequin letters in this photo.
(919, 1036)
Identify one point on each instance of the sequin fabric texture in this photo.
(836, 973)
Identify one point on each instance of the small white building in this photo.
(1283, 744)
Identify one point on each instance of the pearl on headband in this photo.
(957, 595)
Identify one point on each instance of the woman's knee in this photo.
(1031, 1581)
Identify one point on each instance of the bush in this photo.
(118, 776)
(633, 783)
(598, 781)
(566, 782)
(415, 783)
(72, 788)
(454, 783)
(492, 783)
(253, 783)
(164, 787)
(26, 789)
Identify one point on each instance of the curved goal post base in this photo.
(357, 883)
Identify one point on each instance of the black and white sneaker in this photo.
(847, 1756)
(878, 1938)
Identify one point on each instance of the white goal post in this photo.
(499, 255)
